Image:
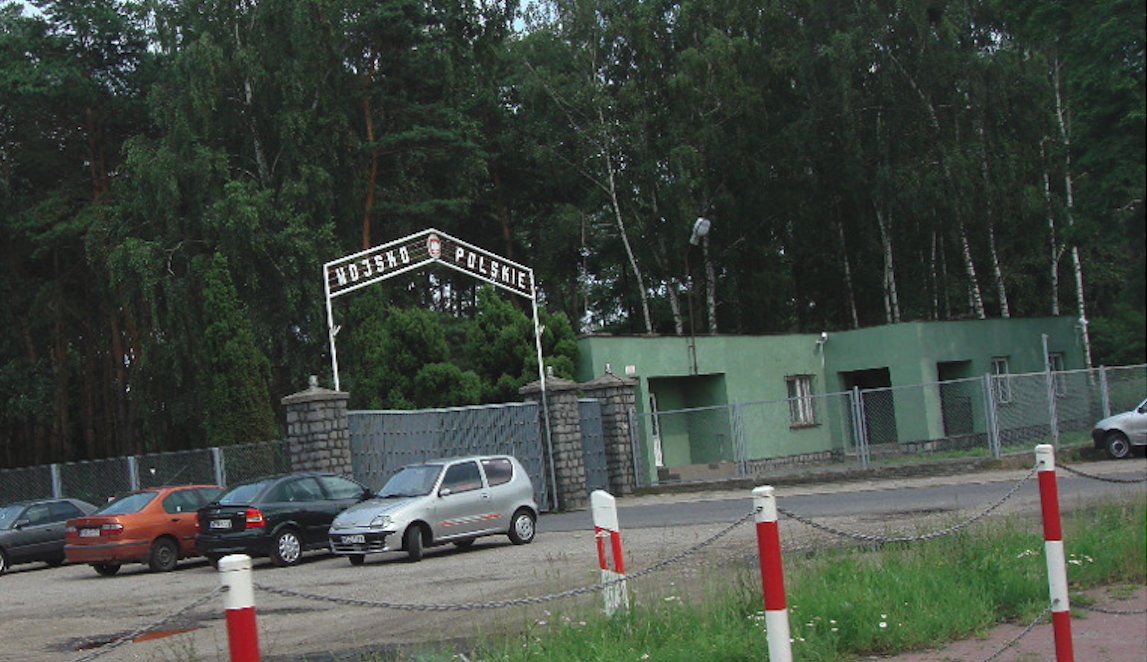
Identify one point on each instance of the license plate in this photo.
(89, 533)
(356, 539)
(220, 524)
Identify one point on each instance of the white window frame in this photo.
(1001, 380)
(802, 413)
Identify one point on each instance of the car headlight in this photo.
(381, 522)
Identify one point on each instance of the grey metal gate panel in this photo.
(593, 446)
(382, 442)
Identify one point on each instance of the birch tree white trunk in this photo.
(997, 272)
(710, 286)
(1064, 121)
(1056, 252)
(891, 299)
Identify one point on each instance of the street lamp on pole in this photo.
(700, 231)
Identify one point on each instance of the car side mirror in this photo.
(20, 524)
(445, 491)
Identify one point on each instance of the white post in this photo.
(608, 536)
(239, 601)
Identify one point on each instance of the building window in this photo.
(1001, 380)
(801, 411)
(1059, 379)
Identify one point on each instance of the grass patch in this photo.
(847, 603)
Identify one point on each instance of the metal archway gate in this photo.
(379, 263)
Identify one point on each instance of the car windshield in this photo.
(243, 494)
(416, 480)
(8, 515)
(127, 504)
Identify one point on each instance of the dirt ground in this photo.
(1095, 636)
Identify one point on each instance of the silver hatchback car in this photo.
(444, 501)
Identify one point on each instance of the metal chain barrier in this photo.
(1104, 479)
(1019, 636)
(127, 638)
(501, 604)
(1112, 612)
(927, 536)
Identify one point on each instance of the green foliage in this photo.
(238, 404)
(838, 149)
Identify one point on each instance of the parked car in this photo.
(1119, 435)
(155, 526)
(34, 530)
(447, 501)
(279, 516)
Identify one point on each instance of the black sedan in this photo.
(278, 516)
(34, 530)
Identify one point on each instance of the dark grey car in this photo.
(34, 530)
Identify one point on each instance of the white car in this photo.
(1121, 433)
(445, 501)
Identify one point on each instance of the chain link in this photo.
(127, 638)
(1105, 479)
(927, 536)
(501, 604)
(1113, 612)
(1021, 635)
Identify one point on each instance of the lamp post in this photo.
(700, 231)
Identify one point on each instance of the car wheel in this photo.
(213, 559)
(1117, 445)
(357, 559)
(288, 549)
(3, 561)
(412, 541)
(56, 561)
(106, 569)
(464, 544)
(164, 555)
(522, 527)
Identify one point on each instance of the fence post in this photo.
(217, 463)
(1106, 396)
(132, 472)
(772, 575)
(990, 417)
(239, 601)
(609, 555)
(1053, 551)
(1052, 413)
(57, 481)
(739, 451)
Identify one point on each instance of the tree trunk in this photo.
(710, 286)
(1061, 116)
(1055, 250)
(372, 171)
(891, 298)
(847, 275)
(1005, 311)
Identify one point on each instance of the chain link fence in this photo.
(985, 416)
(96, 481)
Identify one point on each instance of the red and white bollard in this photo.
(1053, 552)
(608, 536)
(772, 575)
(239, 601)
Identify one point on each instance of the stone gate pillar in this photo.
(317, 433)
(618, 396)
(565, 439)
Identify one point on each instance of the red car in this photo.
(155, 526)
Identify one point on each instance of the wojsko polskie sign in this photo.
(384, 261)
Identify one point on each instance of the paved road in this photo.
(867, 499)
(51, 614)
